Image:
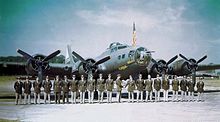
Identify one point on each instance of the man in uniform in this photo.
(82, 89)
(175, 85)
(57, 86)
(74, 89)
(47, 85)
(18, 91)
(200, 89)
(131, 87)
(183, 84)
(91, 88)
(109, 87)
(101, 88)
(157, 87)
(27, 91)
(191, 86)
(140, 87)
(66, 89)
(119, 87)
(148, 88)
(37, 89)
(165, 86)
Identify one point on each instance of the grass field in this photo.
(6, 79)
(6, 120)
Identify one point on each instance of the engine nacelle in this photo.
(83, 68)
(180, 67)
(152, 69)
(31, 66)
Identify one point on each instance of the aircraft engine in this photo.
(180, 68)
(37, 64)
(89, 66)
(192, 65)
(32, 66)
(161, 66)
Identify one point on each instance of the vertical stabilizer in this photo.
(69, 59)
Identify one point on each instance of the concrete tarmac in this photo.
(209, 110)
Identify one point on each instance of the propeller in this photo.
(40, 64)
(193, 64)
(26, 55)
(90, 65)
(162, 65)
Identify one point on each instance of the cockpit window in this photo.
(121, 47)
(114, 44)
(113, 49)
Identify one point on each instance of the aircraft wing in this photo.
(18, 68)
(206, 75)
(12, 68)
(208, 67)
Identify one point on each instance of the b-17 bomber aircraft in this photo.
(116, 59)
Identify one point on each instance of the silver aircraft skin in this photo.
(124, 60)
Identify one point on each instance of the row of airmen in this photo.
(90, 85)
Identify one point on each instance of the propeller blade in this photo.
(183, 57)
(79, 57)
(102, 60)
(172, 59)
(203, 58)
(154, 61)
(26, 55)
(52, 55)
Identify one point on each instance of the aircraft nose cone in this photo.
(142, 56)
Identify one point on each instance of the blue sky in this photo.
(167, 27)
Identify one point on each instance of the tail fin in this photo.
(69, 56)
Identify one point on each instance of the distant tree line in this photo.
(57, 59)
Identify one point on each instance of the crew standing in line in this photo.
(66, 89)
(18, 91)
(165, 86)
(140, 88)
(175, 85)
(91, 88)
(200, 89)
(119, 87)
(37, 89)
(57, 86)
(101, 88)
(27, 91)
(183, 88)
(47, 85)
(157, 87)
(82, 89)
(74, 89)
(191, 89)
(109, 88)
(131, 87)
(148, 88)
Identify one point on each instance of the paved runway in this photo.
(209, 110)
